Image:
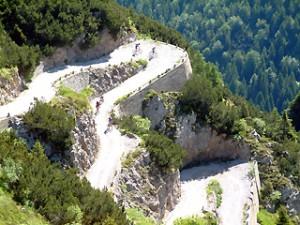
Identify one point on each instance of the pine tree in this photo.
(286, 130)
(283, 218)
(294, 112)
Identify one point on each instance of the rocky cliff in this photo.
(85, 143)
(75, 53)
(141, 184)
(84, 148)
(201, 142)
(11, 85)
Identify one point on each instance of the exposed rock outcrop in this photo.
(143, 185)
(10, 87)
(201, 142)
(291, 196)
(75, 53)
(85, 142)
(101, 80)
(105, 80)
(85, 146)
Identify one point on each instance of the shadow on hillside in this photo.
(206, 170)
(103, 59)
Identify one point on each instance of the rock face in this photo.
(155, 110)
(201, 142)
(101, 80)
(84, 148)
(145, 186)
(74, 53)
(291, 196)
(11, 87)
(85, 142)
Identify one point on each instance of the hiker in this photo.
(137, 49)
(97, 106)
(101, 99)
(152, 53)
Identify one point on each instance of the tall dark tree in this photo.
(294, 112)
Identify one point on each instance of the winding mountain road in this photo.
(112, 145)
(234, 181)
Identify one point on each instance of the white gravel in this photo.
(235, 184)
(112, 145)
(41, 86)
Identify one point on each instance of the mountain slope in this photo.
(11, 213)
(254, 43)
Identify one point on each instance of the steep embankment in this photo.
(41, 86)
(236, 186)
(112, 144)
(202, 145)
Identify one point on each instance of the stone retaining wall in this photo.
(172, 80)
(77, 82)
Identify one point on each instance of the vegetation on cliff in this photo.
(254, 43)
(163, 151)
(51, 124)
(59, 195)
(207, 219)
(40, 27)
(51, 190)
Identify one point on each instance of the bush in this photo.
(199, 95)
(138, 218)
(214, 188)
(134, 124)
(59, 195)
(73, 101)
(208, 219)
(51, 124)
(163, 151)
(266, 218)
(222, 117)
(9, 172)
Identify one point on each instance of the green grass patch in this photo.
(71, 100)
(137, 217)
(13, 214)
(214, 187)
(7, 73)
(163, 151)
(266, 218)
(142, 62)
(134, 124)
(207, 219)
(131, 157)
(138, 63)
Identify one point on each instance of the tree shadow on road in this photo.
(203, 171)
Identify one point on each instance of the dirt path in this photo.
(41, 86)
(112, 145)
(236, 191)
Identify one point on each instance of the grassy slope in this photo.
(13, 214)
(138, 218)
(266, 218)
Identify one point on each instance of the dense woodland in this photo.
(255, 43)
(32, 29)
